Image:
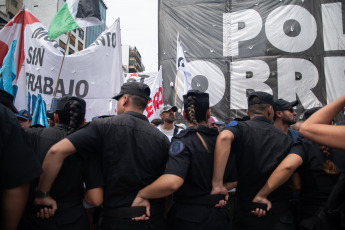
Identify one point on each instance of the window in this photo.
(81, 34)
(72, 40)
(70, 51)
(80, 46)
(62, 45)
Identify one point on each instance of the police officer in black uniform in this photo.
(67, 189)
(133, 155)
(18, 165)
(259, 148)
(189, 171)
(320, 168)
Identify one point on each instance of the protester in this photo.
(18, 165)
(67, 190)
(317, 128)
(188, 173)
(24, 118)
(259, 148)
(133, 155)
(167, 115)
(285, 116)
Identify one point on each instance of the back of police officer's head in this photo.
(197, 107)
(260, 104)
(71, 112)
(133, 96)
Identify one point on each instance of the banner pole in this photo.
(63, 59)
(176, 87)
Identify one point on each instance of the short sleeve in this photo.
(19, 165)
(93, 172)
(179, 159)
(299, 150)
(87, 139)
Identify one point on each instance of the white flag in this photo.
(181, 64)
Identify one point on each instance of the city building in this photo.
(131, 60)
(8, 9)
(45, 12)
(93, 32)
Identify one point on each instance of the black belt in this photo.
(131, 212)
(210, 200)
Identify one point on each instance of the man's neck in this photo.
(281, 126)
(168, 126)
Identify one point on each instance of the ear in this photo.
(56, 118)
(125, 100)
(184, 114)
(208, 114)
(247, 112)
(161, 116)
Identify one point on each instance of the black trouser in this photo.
(198, 217)
(71, 218)
(120, 219)
(279, 218)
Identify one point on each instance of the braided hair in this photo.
(196, 112)
(72, 115)
(328, 165)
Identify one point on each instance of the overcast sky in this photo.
(139, 27)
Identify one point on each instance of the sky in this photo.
(139, 27)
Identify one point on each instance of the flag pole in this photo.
(63, 59)
(176, 86)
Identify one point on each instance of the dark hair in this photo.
(138, 102)
(195, 111)
(328, 166)
(257, 109)
(72, 115)
(196, 114)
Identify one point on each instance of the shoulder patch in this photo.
(176, 147)
(232, 123)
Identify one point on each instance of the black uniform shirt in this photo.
(18, 164)
(259, 148)
(133, 154)
(316, 183)
(191, 161)
(76, 169)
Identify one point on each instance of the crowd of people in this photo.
(263, 171)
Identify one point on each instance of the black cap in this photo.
(202, 98)
(263, 98)
(310, 112)
(281, 104)
(7, 100)
(62, 101)
(134, 88)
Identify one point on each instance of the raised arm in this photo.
(51, 166)
(221, 156)
(318, 129)
(279, 176)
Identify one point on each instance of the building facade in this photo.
(8, 9)
(45, 12)
(93, 32)
(131, 60)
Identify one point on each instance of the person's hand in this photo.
(220, 190)
(138, 201)
(260, 212)
(46, 212)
